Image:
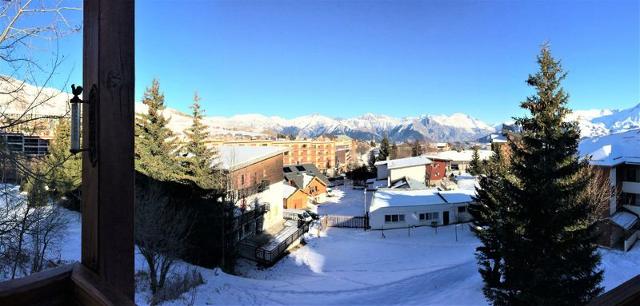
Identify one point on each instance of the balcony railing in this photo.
(251, 215)
(254, 189)
(71, 284)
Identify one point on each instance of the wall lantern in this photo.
(76, 115)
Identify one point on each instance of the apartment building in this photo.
(618, 157)
(320, 152)
(256, 180)
(345, 152)
(32, 146)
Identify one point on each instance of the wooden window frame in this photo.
(105, 275)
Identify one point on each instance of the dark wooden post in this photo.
(108, 180)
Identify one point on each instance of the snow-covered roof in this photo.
(404, 162)
(402, 198)
(624, 219)
(613, 149)
(288, 190)
(498, 138)
(236, 157)
(306, 179)
(458, 196)
(461, 156)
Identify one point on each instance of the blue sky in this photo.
(400, 58)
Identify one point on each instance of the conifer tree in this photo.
(156, 146)
(535, 225)
(199, 162)
(475, 166)
(35, 186)
(66, 169)
(385, 148)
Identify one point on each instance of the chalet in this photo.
(294, 198)
(618, 157)
(256, 181)
(459, 160)
(309, 180)
(437, 170)
(411, 168)
(395, 208)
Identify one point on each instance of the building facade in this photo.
(256, 180)
(392, 208)
(321, 151)
(617, 157)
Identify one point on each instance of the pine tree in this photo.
(66, 169)
(385, 148)
(532, 218)
(199, 162)
(371, 161)
(156, 146)
(35, 186)
(475, 167)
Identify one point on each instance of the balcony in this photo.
(631, 187)
(254, 189)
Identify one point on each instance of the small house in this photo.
(412, 168)
(309, 180)
(397, 208)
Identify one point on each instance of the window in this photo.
(393, 218)
(300, 168)
(429, 216)
(462, 209)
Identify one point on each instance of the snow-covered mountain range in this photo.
(441, 128)
(455, 127)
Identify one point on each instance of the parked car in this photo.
(313, 215)
(297, 215)
(336, 181)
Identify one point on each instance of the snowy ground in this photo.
(345, 201)
(351, 266)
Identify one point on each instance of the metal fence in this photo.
(269, 257)
(344, 221)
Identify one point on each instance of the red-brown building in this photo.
(436, 171)
(256, 181)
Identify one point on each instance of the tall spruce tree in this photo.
(385, 148)
(199, 162)
(66, 169)
(532, 218)
(156, 146)
(475, 166)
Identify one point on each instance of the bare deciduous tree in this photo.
(29, 59)
(160, 232)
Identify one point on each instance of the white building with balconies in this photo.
(618, 155)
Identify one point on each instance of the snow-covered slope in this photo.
(18, 97)
(606, 121)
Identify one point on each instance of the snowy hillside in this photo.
(18, 97)
(604, 122)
